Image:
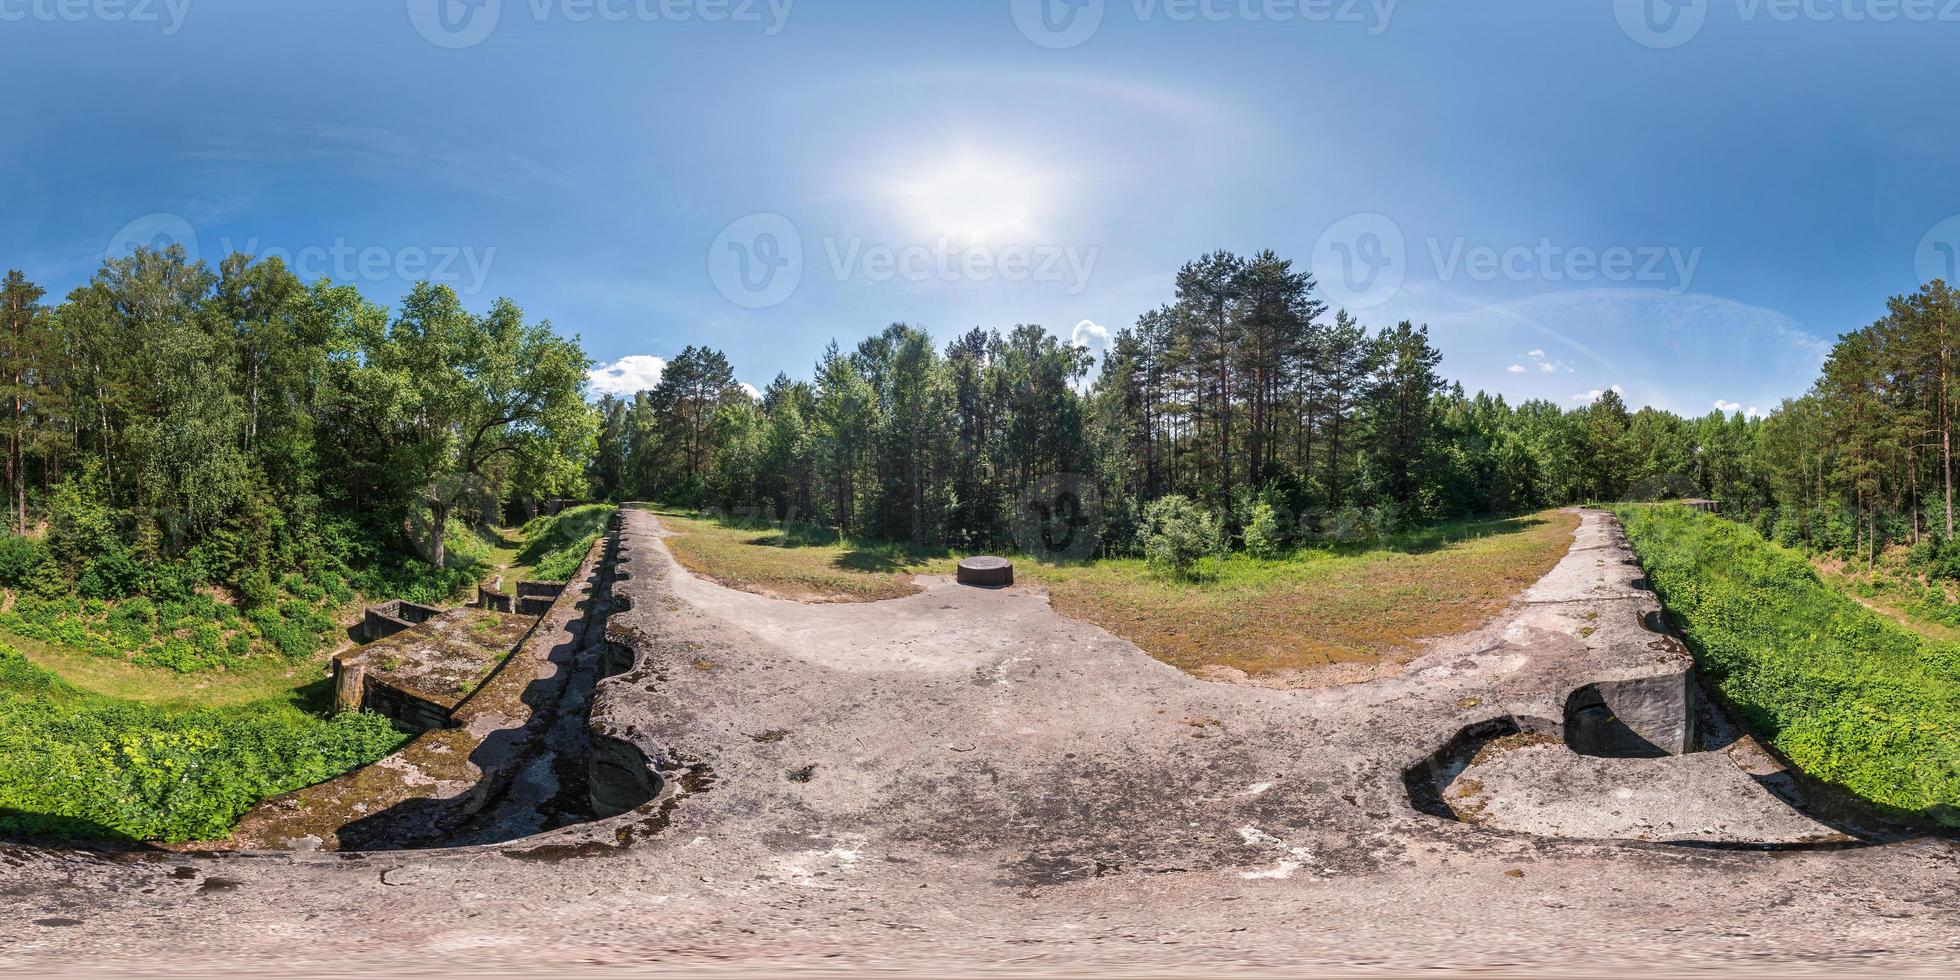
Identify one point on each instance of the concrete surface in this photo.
(963, 779)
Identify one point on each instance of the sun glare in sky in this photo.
(975, 199)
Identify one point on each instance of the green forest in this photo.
(1243, 398)
(203, 463)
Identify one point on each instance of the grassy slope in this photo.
(101, 746)
(76, 764)
(1849, 695)
(257, 678)
(553, 547)
(1324, 605)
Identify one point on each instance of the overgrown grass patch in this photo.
(555, 546)
(1847, 694)
(80, 765)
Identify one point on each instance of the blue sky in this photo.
(1576, 194)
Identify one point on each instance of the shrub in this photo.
(1265, 534)
(19, 557)
(1178, 535)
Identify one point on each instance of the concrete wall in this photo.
(387, 619)
(535, 598)
(357, 690)
(1636, 718)
(495, 600)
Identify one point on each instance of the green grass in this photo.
(1336, 604)
(801, 562)
(75, 764)
(1345, 603)
(1850, 696)
(252, 679)
(554, 547)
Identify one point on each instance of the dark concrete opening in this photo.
(1593, 728)
(1428, 781)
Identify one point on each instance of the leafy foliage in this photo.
(555, 546)
(78, 765)
(1851, 697)
(1178, 535)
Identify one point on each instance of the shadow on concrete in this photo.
(534, 773)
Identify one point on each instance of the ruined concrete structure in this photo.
(963, 776)
(387, 619)
(417, 677)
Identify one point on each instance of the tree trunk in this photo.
(438, 547)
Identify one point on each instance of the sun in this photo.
(976, 200)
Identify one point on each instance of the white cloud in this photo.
(1545, 364)
(1593, 395)
(1754, 412)
(1729, 408)
(752, 390)
(1090, 334)
(627, 376)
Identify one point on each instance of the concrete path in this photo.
(964, 778)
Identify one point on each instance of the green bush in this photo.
(79, 765)
(1265, 534)
(1178, 536)
(1851, 697)
(19, 557)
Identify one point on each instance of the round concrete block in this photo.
(986, 571)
